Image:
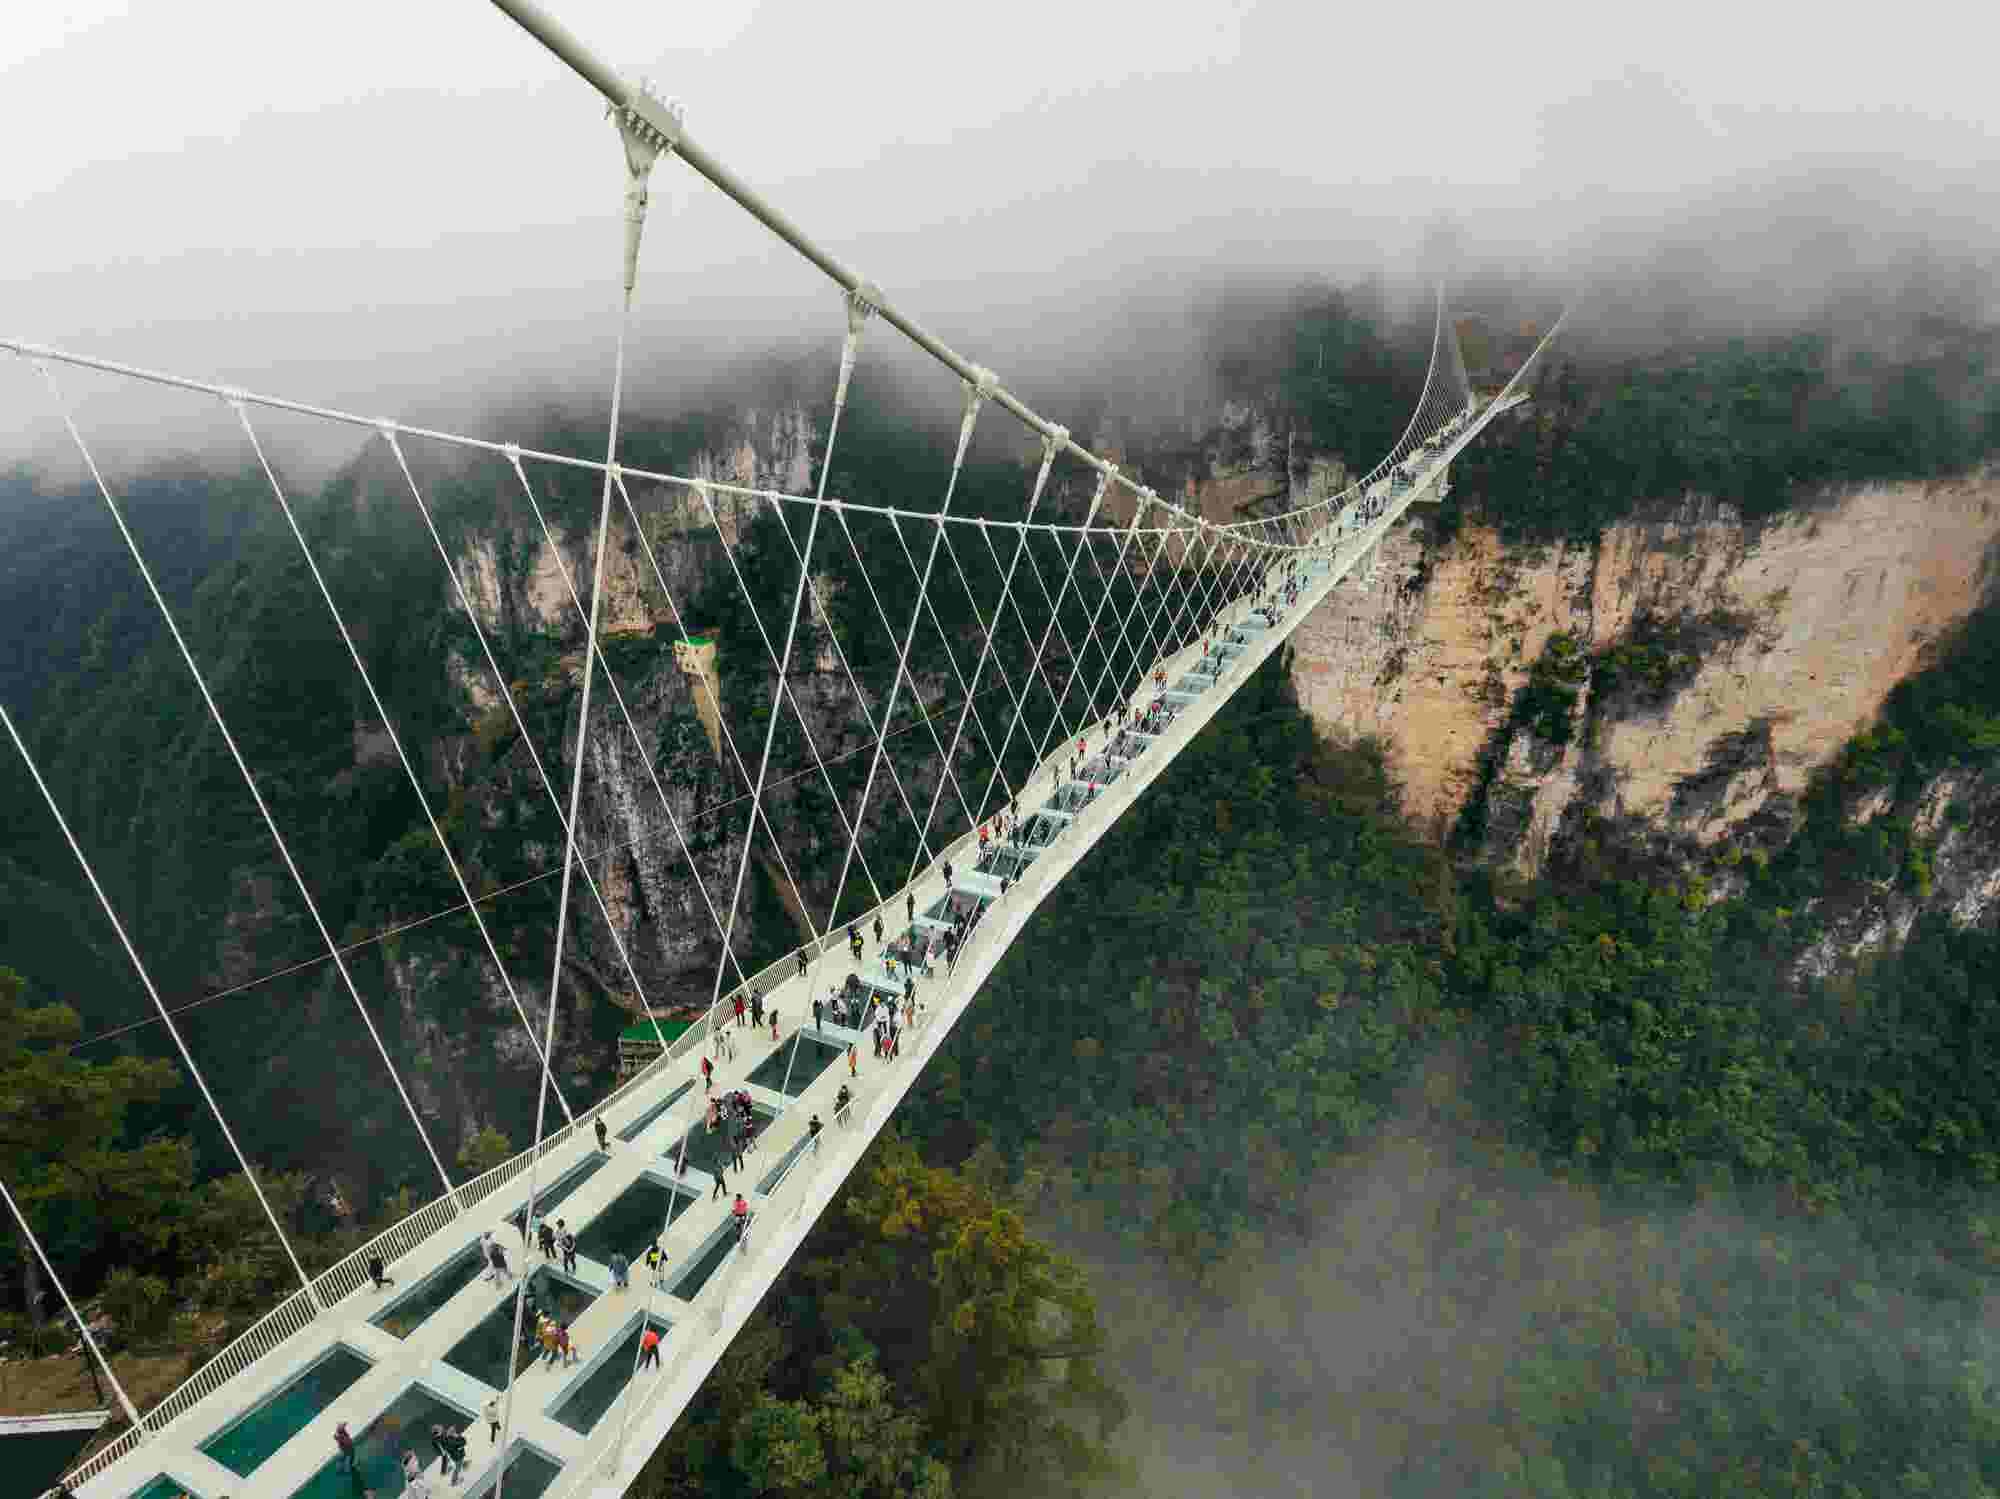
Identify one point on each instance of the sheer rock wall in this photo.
(1840, 601)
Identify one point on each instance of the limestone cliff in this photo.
(1767, 647)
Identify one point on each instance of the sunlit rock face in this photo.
(1794, 632)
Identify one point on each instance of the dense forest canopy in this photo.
(1230, 1004)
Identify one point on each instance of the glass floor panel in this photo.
(806, 1057)
(415, 1306)
(1005, 863)
(243, 1446)
(552, 1194)
(1041, 831)
(529, 1475)
(379, 1447)
(701, 1269)
(771, 1177)
(583, 1407)
(708, 1149)
(632, 1220)
(482, 1353)
(164, 1487)
(646, 1120)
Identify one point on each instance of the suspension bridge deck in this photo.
(434, 1346)
(429, 1348)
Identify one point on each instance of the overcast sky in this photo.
(382, 204)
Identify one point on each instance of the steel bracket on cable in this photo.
(647, 126)
(862, 303)
(1105, 475)
(980, 387)
(656, 123)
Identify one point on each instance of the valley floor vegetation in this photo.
(1671, 1218)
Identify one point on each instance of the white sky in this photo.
(368, 202)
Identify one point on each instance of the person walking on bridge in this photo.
(603, 1134)
(756, 1007)
(819, 1013)
(740, 1007)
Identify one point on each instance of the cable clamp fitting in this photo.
(863, 302)
(656, 123)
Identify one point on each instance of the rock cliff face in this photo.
(658, 803)
(1767, 648)
(1956, 818)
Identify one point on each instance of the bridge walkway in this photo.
(389, 1362)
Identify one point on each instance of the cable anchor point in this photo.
(647, 127)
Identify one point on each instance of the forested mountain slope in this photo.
(1418, 1155)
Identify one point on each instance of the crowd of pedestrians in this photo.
(883, 1013)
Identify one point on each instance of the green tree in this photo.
(777, 1447)
(485, 1150)
(871, 1446)
(63, 1145)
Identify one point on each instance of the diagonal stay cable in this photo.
(82, 1323)
(847, 670)
(382, 713)
(1124, 649)
(988, 630)
(243, 769)
(514, 708)
(1055, 612)
(606, 851)
(1131, 645)
(758, 812)
(857, 315)
(641, 151)
(145, 978)
(1091, 634)
(929, 609)
(925, 718)
(1018, 698)
(1184, 625)
(1019, 717)
(721, 718)
(1037, 673)
(638, 743)
(976, 392)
